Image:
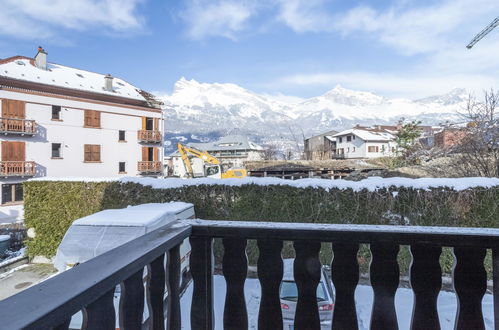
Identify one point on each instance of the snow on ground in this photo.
(371, 184)
(447, 305)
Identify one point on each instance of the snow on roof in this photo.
(331, 138)
(368, 134)
(371, 184)
(23, 68)
(144, 215)
(229, 142)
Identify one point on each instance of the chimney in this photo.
(41, 59)
(108, 83)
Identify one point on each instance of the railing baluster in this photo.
(345, 276)
(270, 271)
(174, 320)
(100, 314)
(132, 302)
(470, 284)
(201, 264)
(426, 282)
(235, 268)
(384, 273)
(156, 292)
(495, 278)
(307, 273)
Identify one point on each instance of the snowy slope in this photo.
(204, 109)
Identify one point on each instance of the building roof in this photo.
(229, 142)
(368, 134)
(23, 69)
(326, 134)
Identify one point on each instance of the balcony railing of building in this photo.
(150, 167)
(17, 168)
(90, 286)
(151, 136)
(17, 126)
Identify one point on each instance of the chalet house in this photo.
(365, 142)
(61, 121)
(450, 137)
(231, 150)
(321, 147)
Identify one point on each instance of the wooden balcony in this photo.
(17, 126)
(91, 285)
(149, 136)
(150, 167)
(17, 168)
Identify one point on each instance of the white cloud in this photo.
(305, 15)
(222, 18)
(44, 18)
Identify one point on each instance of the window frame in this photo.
(119, 136)
(58, 109)
(12, 193)
(119, 168)
(52, 151)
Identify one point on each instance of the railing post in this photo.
(156, 292)
(235, 269)
(384, 274)
(270, 270)
(307, 273)
(132, 301)
(100, 314)
(495, 279)
(201, 264)
(345, 276)
(470, 284)
(426, 282)
(174, 318)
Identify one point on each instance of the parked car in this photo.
(100, 232)
(289, 297)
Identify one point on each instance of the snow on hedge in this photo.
(371, 184)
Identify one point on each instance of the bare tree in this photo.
(270, 152)
(478, 150)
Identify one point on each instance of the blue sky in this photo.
(301, 48)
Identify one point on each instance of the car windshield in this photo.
(289, 291)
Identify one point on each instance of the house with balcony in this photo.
(320, 147)
(60, 121)
(365, 142)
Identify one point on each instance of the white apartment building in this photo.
(365, 142)
(59, 121)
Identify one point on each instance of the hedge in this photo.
(51, 207)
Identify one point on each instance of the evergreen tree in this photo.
(407, 135)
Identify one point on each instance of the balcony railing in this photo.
(91, 285)
(17, 126)
(17, 168)
(150, 167)
(152, 136)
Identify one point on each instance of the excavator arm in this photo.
(198, 153)
(186, 160)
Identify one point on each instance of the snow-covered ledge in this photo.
(371, 184)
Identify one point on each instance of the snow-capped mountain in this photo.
(212, 110)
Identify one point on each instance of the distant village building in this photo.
(320, 147)
(231, 150)
(366, 142)
(61, 121)
(450, 137)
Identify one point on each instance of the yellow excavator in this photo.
(213, 170)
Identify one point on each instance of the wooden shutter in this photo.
(144, 121)
(156, 124)
(13, 151)
(96, 153)
(96, 121)
(13, 109)
(155, 154)
(87, 153)
(88, 118)
(145, 154)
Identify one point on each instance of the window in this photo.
(149, 124)
(353, 149)
(121, 167)
(121, 136)
(56, 112)
(56, 150)
(12, 193)
(372, 149)
(349, 138)
(341, 139)
(353, 137)
(92, 118)
(92, 153)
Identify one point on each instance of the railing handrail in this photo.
(346, 233)
(58, 298)
(18, 125)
